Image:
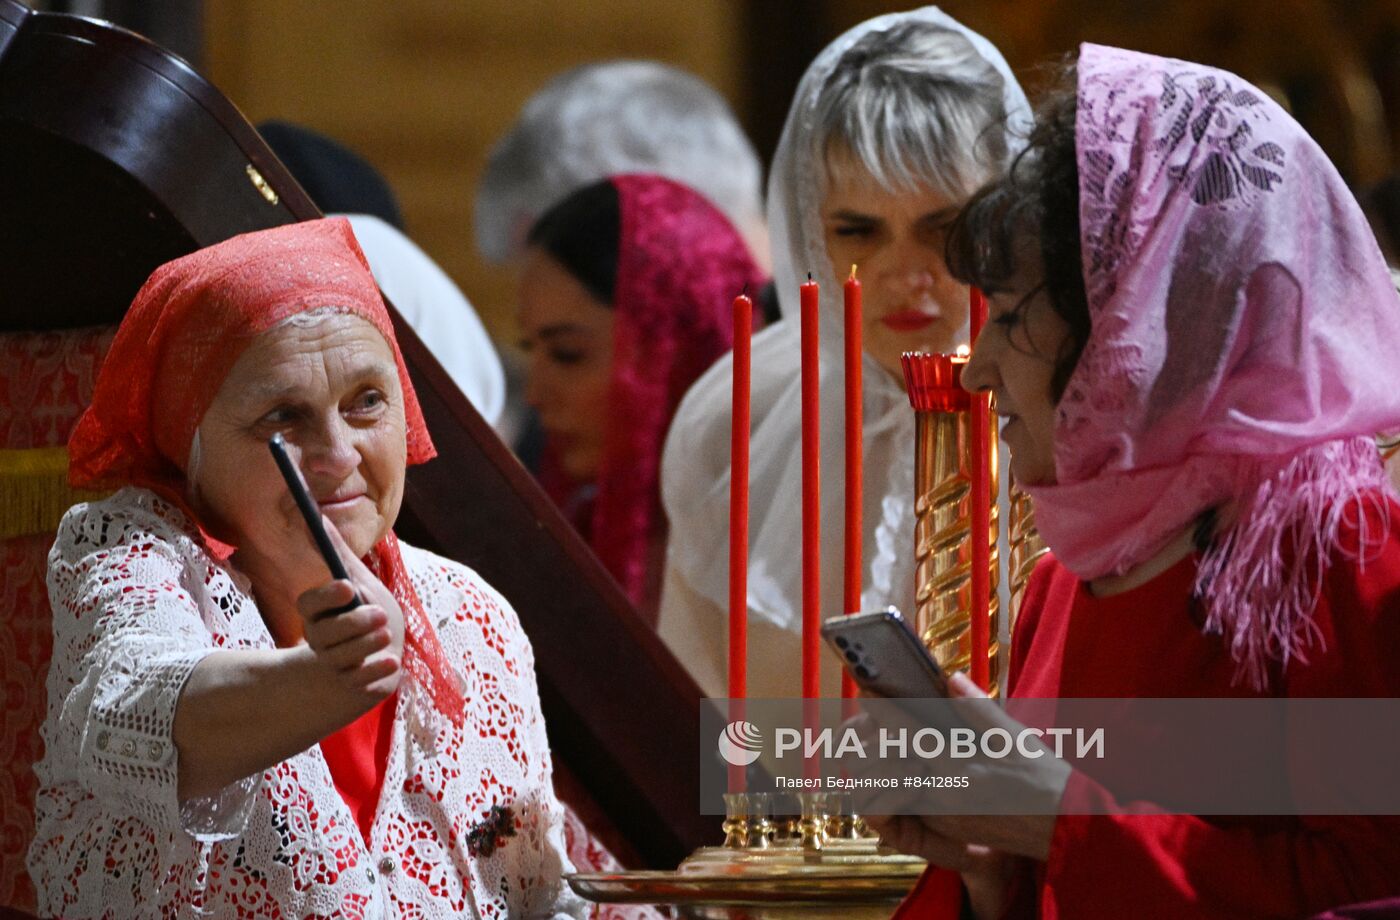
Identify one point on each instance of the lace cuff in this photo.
(128, 755)
(221, 816)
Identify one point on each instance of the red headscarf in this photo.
(182, 335)
(680, 265)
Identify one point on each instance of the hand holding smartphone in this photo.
(311, 513)
(884, 656)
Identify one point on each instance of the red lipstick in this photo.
(909, 320)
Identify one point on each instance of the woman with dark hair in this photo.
(1190, 333)
(624, 301)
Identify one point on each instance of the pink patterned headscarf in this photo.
(1245, 333)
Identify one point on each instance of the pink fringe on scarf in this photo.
(1262, 576)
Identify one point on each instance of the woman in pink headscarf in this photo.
(625, 300)
(1191, 345)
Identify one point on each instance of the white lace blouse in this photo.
(137, 603)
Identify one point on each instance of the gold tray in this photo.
(785, 886)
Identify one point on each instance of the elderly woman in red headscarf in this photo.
(215, 741)
(625, 300)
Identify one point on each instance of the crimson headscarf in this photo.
(186, 328)
(680, 265)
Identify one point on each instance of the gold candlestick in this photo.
(845, 826)
(943, 514)
(812, 823)
(1025, 547)
(737, 821)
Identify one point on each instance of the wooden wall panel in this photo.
(1331, 61)
(424, 87)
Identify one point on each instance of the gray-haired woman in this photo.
(607, 119)
(893, 127)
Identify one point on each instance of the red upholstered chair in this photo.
(46, 380)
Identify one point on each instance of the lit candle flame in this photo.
(964, 351)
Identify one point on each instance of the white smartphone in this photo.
(884, 656)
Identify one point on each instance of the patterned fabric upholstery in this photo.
(25, 642)
(46, 381)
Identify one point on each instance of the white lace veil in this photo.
(695, 475)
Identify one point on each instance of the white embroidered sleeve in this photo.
(127, 634)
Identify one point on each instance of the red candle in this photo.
(811, 494)
(739, 503)
(854, 475)
(739, 524)
(979, 428)
(978, 309)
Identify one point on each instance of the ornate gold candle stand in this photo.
(943, 514)
(1025, 547)
(821, 863)
(824, 862)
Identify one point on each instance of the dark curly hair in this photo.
(1037, 200)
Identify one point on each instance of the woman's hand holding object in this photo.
(362, 647)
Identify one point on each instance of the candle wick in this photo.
(853, 271)
(809, 277)
(745, 291)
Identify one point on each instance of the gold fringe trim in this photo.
(34, 491)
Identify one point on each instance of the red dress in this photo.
(1145, 643)
(357, 756)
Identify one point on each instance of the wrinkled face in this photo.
(331, 387)
(1015, 358)
(567, 335)
(896, 239)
